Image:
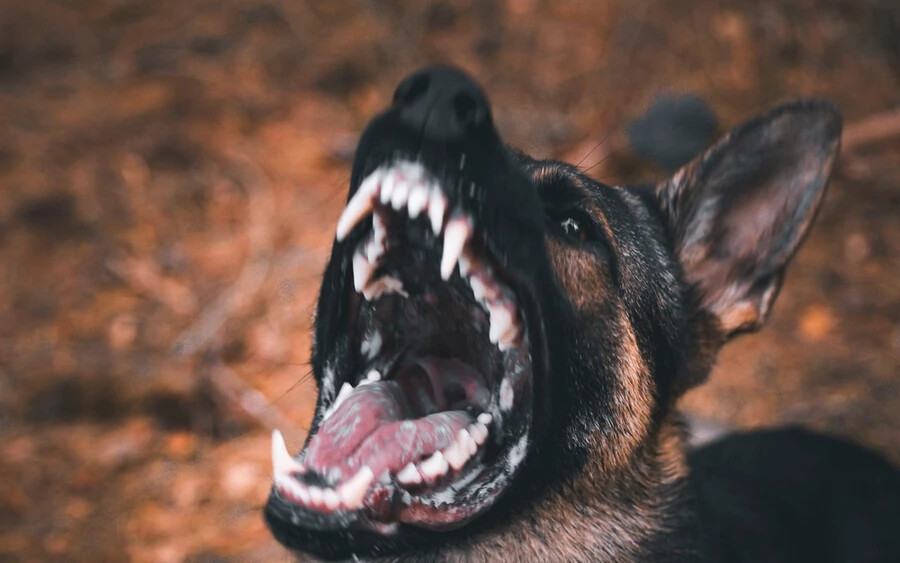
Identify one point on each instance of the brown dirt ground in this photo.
(171, 174)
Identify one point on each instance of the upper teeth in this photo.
(407, 185)
(456, 234)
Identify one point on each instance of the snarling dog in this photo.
(500, 343)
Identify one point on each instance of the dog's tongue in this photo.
(367, 408)
(373, 425)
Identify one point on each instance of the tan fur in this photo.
(601, 516)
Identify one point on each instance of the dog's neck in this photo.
(636, 515)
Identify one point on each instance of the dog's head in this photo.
(492, 326)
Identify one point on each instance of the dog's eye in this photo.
(572, 227)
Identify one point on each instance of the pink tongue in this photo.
(392, 446)
(365, 409)
(371, 427)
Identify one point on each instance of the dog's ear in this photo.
(738, 212)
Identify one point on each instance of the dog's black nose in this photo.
(442, 103)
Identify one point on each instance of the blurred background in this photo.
(170, 177)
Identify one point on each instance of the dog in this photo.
(500, 343)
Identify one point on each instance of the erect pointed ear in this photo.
(738, 212)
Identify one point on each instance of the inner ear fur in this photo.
(738, 212)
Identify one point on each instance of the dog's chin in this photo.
(425, 403)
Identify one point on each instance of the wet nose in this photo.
(443, 104)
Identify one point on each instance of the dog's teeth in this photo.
(479, 432)
(282, 462)
(477, 288)
(371, 346)
(388, 184)
(360, 205)
(409, 475)
(464, 438)
(456, 234)
(485, 418)
(502, 321)
(373, 251)
(371, 377)
(384, 284)
(418, 199)
(353, 491)
(465, 264)
(400, 195)
(434, 466)
(332, 501)
(362, 271)
(303, 493)
(346, 388)
(316, 495)
(379, 229)
(456, 455)
(437, 206)
(506, 394)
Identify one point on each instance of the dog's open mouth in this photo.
(424, 417)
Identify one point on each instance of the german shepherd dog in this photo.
(500, 343)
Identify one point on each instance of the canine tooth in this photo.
(456, 234)
(437, 205)
(302, 492)
(360, 205)
(353, 491)
(332, 501)
(282, 462)
(479, 432)
(485, 418)
(316, 495)
(434, 466)
(418, 199)
(409, 475)
(362, 271)
(456, 455)
(400, 195)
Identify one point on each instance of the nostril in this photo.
(467, 108)
(411, 89)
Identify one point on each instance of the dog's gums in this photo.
(422, 430)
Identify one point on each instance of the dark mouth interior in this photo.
(419, 426)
